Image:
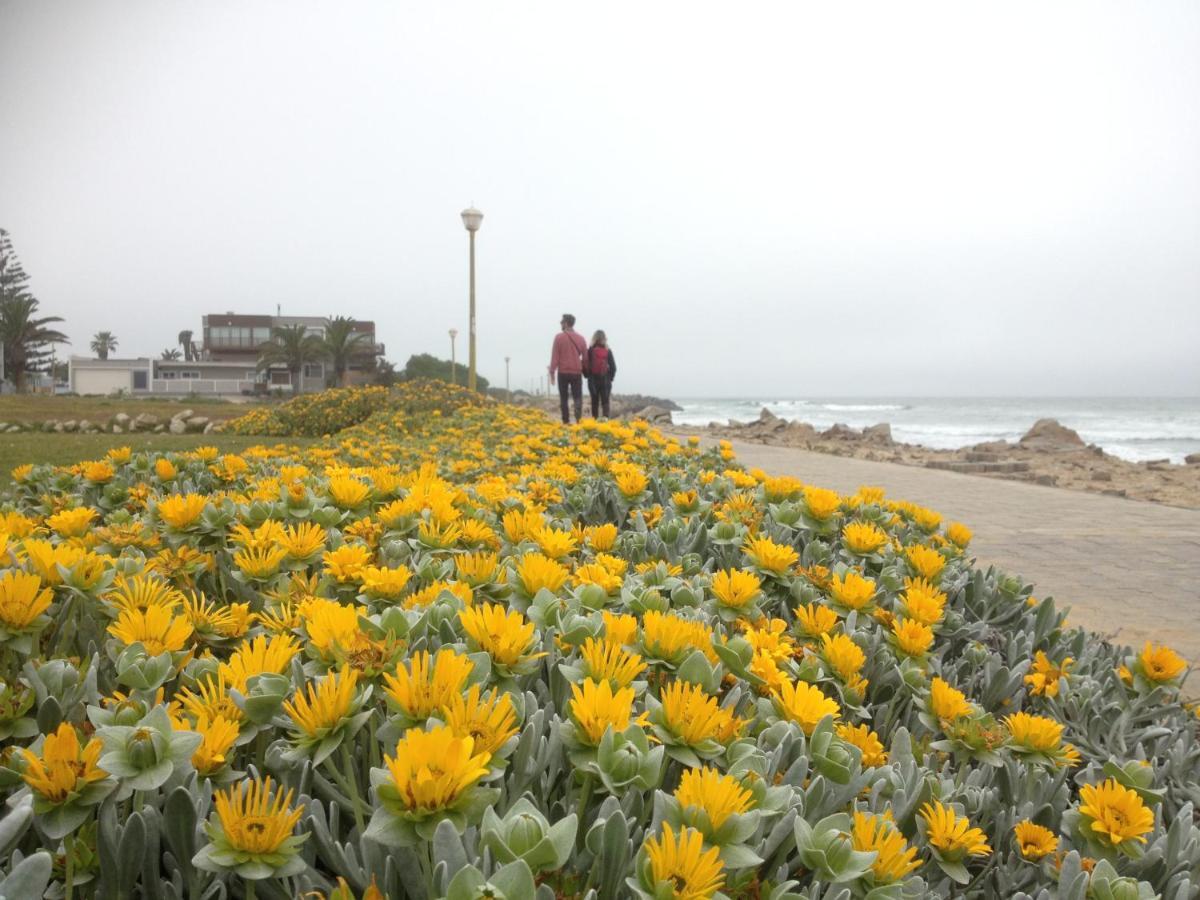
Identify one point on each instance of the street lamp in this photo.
(507, 390)
(471, 218)
(453, 367)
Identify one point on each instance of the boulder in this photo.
(121, 420)
(117, 429)
(990, 447)
(85, 425)
(184, 414)
(840, 432)
(655, 414)
(196, 423)
(734, 423)
(765, 415)
(879, 434)
(13, 429)
(159, 429)
(799, 433)
(1192, 459)
(59, 428)
(177, 426)
(210, 427)
(1049, 434)
(70, 425)
(145, 420)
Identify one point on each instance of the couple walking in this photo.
(572, 359)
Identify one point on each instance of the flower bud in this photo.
(524, 833)
(142, 748)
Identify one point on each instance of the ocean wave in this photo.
(861, 407)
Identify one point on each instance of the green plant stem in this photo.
(250, 891)
(585, 795)
(69, 866)
(352, 784)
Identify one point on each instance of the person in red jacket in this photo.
(566, 359)
(600, 366)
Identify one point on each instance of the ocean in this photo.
(1133, 428)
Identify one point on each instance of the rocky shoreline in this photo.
(1048, 454)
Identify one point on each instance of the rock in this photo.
(1101, 476)
(210, 427)
(879, 434)
(990, 447)
(145, 420)
(734, 423)
(1192, 459)
(70, 426)
(765, 415)
(159, 429)
(799, 432)
(840, 432)
(85, 425)
(13, 429)
(177, 426)
(714, 425)
(197, 423)
(59, 428)
(1049, 434)
(117, 429)
(655, 414)
(185, 414)
(1046, 479)
(1114, 492)
(121, 419)
(50, 425)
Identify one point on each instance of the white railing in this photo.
(201, 386)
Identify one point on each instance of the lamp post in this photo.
(471, 219)
(453, 367)
(507, 390)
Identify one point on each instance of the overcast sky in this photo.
(784, 199)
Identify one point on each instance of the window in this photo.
(314, 370)
(141, 379)
(281, 376)
(167, 374)
(189, 373)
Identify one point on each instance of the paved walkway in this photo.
(1127, 568)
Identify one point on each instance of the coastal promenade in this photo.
(1128, 569)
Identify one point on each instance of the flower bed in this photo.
(461, 651)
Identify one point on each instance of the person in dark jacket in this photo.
(601, 367)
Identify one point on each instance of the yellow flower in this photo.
(428, 683)
(260, 562)
(912, 638)
(165, 469)
(72, 522)
(766, 554)
(736, 588)
(505, 635)
(682, 863)
(219, 735)
(1046, 678)
(822, 504)
(477, 568)
(210, 701)
(1160, 664)
(815, 620)
(156, 628)
(431, 769)
(521, 524)
(895, 859)
(303, 541)
(842, 655)
(865, 740)
(347, 561)
(380, 583)
(347, 492)
(1037, 733)
(601, 537)
(947, 703)
(718, 796)
(490, 719)
(863, 537)
(619, 628)
(692, 715)
(925, 561)
(255, 819)
(1034, 841)
(260, 656)
(804, 704)
(952, 836)
(607, 660)
(99, 472)
(64, 768)
(22, 473)
(324, 705)
(598, 575)
(536, 572)
(1114, 814)
(959, 534)
(770, 636)
(926, 519)
(923, 602)
(554, 543)
(671, 638)
(22, 600)
(851, 590)
(631, 481)
(596, 707)
(181, 511)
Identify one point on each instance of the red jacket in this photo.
(566, 355)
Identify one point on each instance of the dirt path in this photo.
(1128, 569)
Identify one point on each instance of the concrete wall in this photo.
(101, 381)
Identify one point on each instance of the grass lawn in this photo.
(40, 407)
(63, 449)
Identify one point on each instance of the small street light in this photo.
(453, 367)
(471, 220)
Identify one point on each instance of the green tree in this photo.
(103, 343)
(291, 346)
(171, 354)
(343, 344)
(424, 365)
(26, 336)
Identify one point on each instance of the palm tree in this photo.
(171, 354)
(103, 343)
(291, 346)
(185, 341)
(25, 335)
(342, 344)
